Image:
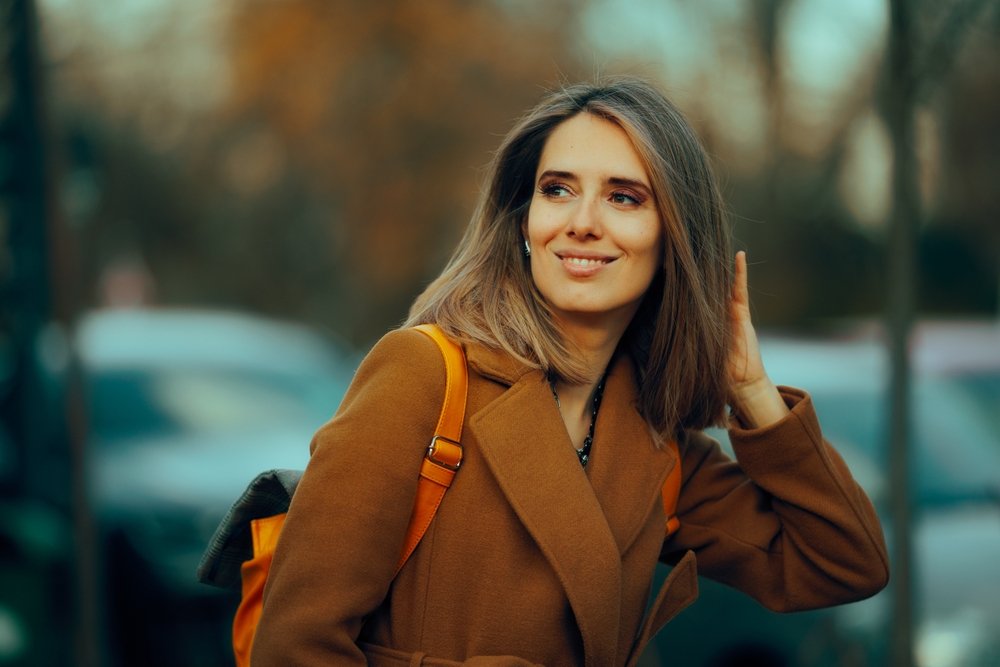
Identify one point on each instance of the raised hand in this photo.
(752, 396)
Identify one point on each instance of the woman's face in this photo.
(593, 226)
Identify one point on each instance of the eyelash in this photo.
(552, 190)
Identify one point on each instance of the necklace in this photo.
(583, 453)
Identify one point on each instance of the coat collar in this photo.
(581, 524)
(495, 363)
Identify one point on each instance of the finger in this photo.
(741, 293)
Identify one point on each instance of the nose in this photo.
(585, 222)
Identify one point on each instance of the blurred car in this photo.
(184, 409)
(955, 488)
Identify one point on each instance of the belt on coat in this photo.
(380, 656)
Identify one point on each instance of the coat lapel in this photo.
(582, 526)
(525, 444)
(678, 591)
(626, 469)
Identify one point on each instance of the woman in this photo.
(601, 320)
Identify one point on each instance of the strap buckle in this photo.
(443, 443)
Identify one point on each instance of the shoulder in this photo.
(407, 353)
(402, 362)
(398, 388)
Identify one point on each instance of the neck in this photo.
(596, 341)
(597, 344)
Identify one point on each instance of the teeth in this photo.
(580, 261)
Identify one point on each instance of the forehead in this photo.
(587, 145)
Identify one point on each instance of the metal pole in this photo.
(50, 469)
(900, 315)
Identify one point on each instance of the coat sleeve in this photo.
(345, 528)
(788, 524)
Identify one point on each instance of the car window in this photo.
(121, 405)
(982, 392)
(130, 403)
(956, 455)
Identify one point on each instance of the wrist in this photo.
(757, 404)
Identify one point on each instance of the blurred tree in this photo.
(325, 170)
(43, 544)
(360, 128)
(333, 176)
(789, 212)
(796, 221)
(961, 247)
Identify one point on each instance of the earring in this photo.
(527, 248)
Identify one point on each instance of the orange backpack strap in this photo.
(444, 455)
(671, 491)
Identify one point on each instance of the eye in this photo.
(554, 190)
(626, 198)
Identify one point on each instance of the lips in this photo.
(583, 264)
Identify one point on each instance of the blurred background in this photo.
(209, 210)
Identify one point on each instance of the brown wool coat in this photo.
(532, 560)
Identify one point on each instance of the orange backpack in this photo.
(240, 553)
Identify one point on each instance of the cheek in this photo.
(541, 224)
(647, 246)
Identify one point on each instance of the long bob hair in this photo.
(679, 338)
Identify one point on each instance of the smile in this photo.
(580, 266)
(585, 261)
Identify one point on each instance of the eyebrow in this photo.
(629, 182)
(613, 180)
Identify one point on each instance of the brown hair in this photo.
(679, 338)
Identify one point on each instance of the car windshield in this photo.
(956, 449)
(129, 404)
